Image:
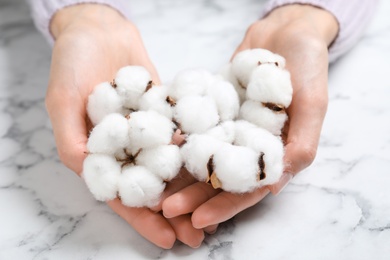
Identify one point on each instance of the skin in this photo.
(301, 34)
(93, 41)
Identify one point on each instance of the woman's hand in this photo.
(91, 43)
(301, 34)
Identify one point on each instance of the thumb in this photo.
(68, 118)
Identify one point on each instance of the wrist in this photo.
(97, 16)
(306, 19)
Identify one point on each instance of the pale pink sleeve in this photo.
(42, 11)
(353, 17)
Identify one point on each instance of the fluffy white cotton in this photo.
(256, 113)
(240, 126)
(138, 187)
(224, 132)
(101, 173)
(149, 129)
(269, 83)
(190, 82)
(262, 141)
(102, 101)
(196, 114)
(196, 153)
(110, 136)
(227, 74)
(164, 160)
(245, 61)
(155, 99)
(226, 99)
(131, 83)
(236, 168)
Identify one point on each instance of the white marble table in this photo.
(339, 208)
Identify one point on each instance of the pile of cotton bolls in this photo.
(232, 122)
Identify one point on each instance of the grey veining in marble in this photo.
(339, 208)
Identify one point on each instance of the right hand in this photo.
(301, 34)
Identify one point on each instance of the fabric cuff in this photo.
(353, 17)
(43, 11)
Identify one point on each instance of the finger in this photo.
(188, 199)
(224, 206)
(185, 232)
(183, 180)
(152, 226)
(211, 229)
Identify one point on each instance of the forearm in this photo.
(352, 19)
(43, 11)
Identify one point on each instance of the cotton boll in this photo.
(110, 135)
(190, 82)
(149, 129)
(224, 132)
(237, 168)
(196, 152)
(241, 126)
(155, 99)
(245, 61)
(164, 160)
(101, 173)
(138, 187)
(102, 101)
(256, 113)
(131, 82)
(196, 114)
(226, 99)
(227, 74)
(269, 83)
(262, 141)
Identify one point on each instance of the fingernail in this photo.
(212, 231)
(165, 215)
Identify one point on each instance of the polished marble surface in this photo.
(339, 208)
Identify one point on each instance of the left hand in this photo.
(302, 34)
(91, 43)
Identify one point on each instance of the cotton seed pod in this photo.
(262, 141)
(245, 61)
(101, 173)
(102, 101)
(148, 129)
(156, 99)
(256, 113)
(196, 152)
(240, 126)
(236, 168)
(130, 83)
(138, 187)
(227, 74)
(196, 114)
(224, 132)
(164, 160)
(190, 82)
(110, 136)
(226, 99)
(270, 84)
